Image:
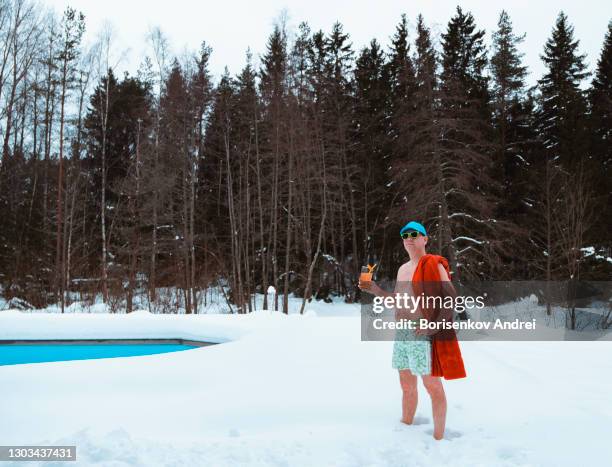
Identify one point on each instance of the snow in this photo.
(590, 251)
(468, 239)
(522, 159)
(330, 258)
(463, 214)
(298, 390)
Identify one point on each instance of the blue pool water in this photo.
(36, 353)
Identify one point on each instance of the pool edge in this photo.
(180, 341)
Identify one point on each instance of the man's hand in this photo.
(369, 287)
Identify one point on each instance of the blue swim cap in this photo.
(413, 225)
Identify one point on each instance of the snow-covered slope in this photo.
(299, 391)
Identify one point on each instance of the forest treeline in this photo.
(300, 169)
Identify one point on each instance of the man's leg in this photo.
(434, 387)
(408, 382)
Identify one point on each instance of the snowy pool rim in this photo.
(103, 341)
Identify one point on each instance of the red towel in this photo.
(446, 358)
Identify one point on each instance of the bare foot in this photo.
(407, 422)
(448, 434)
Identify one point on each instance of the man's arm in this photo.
(380, 292)
(401, 285)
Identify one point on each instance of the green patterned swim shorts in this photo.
(411, 352)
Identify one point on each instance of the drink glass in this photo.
(366, 274)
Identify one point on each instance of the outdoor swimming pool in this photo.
(17, 352)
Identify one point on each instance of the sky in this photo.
(231, 27)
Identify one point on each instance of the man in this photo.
(418, 352)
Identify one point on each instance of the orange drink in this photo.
(366, 273)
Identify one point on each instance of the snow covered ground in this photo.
(298, 391)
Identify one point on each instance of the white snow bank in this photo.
(299, 391)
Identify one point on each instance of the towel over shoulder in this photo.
(446, 358)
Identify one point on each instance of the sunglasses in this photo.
(411, 234)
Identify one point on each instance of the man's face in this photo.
(415, 243)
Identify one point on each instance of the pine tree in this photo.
(111, 133)
(216, 182)
(273, 91)
(310, 177)
(345, 234)
(463, 64)
(412, 126)
(329, 75)
(508, 88)
(132, 118)
(177, 140)
(510, 115)
(371, 140)
(200, 92)
(246, 154)
(519, 206)
(561, 115)
(562, 127)
(468, 194)
(400, 75)
(600, 97)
